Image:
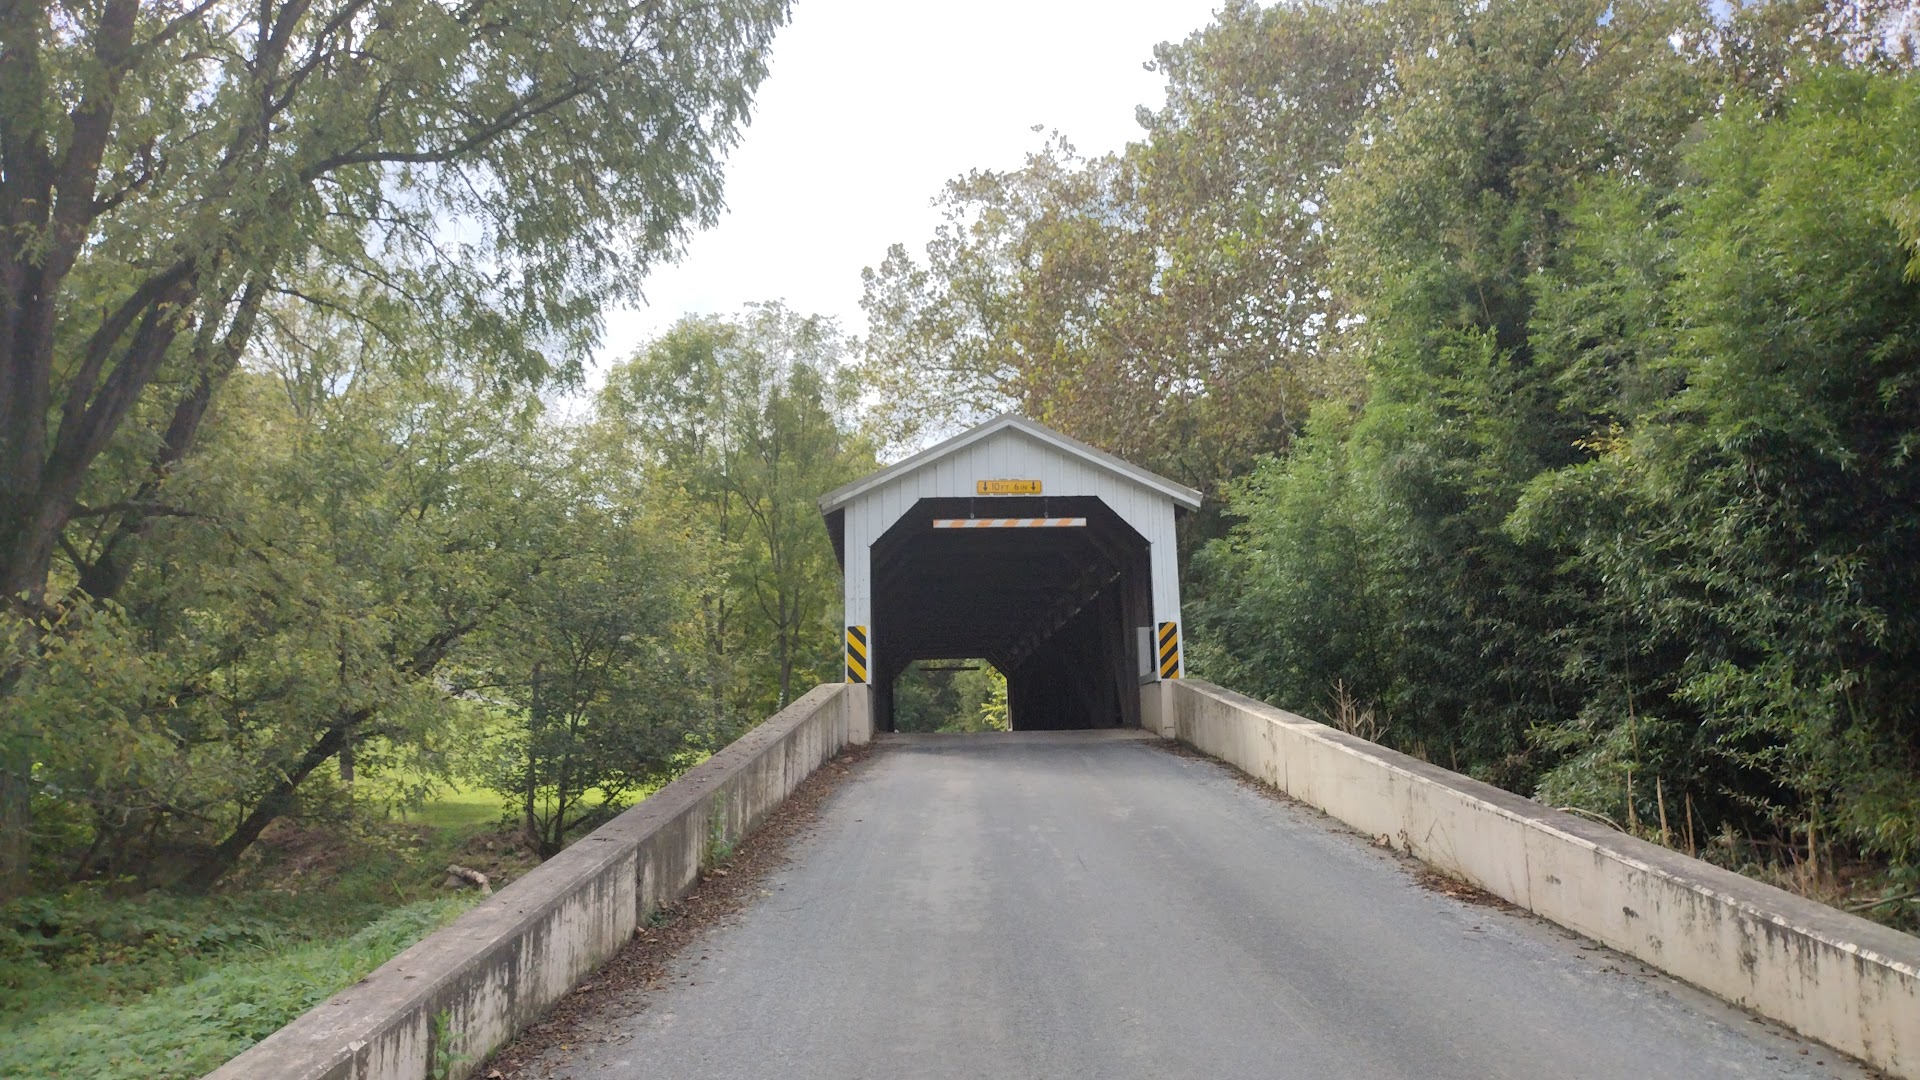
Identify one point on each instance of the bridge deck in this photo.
(1087, 904)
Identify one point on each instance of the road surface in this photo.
(1091, 905)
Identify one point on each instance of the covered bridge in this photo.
(1053, 561)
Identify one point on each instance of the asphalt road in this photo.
(1091, 905)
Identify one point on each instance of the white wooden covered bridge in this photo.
(1053, 561)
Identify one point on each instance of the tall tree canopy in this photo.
(500, 169)
(751, 419)
(179, 181)
(1616, 520)
(1170, 303)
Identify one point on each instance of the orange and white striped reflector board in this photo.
(1009, 523)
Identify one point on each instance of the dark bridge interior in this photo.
(1053, 608)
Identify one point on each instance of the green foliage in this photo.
(1374, 558)
(414, 583)
(195, 189)
(1762, 605)
(442, 1060)
(1170, 304)
(972, 697)
(186, 1030)
(1300, 573)
(746, 422)
(721, 844)
(418, 584)
(62, 950)
(1626, 517)
(584, 655)
(340, 536)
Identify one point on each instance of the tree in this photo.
(1454, 201)
(1625, 516)
(341, 536)
(497, 169)
(403, 520)
(748, 419)
(586, 659)
(968, 698)
(1753, 530)
(1170, 303)
(170, 169)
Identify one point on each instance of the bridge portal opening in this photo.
(950, 695)
(1053, 561)
(1048, 591)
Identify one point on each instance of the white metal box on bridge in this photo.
(1011, 542)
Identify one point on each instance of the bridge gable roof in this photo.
(1180, 495)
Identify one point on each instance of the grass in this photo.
(469, 808)
(99, 985)
(117, 987)
(461, 807)
(185, 1030)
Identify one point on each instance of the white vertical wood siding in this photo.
(1010, 454)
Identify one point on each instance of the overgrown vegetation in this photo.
(185, 1029)
(290, 540)
(382, 594)
(101, 984)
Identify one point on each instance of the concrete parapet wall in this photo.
(1847, 982)
(441, 1006)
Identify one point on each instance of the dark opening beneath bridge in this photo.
(1054, 608)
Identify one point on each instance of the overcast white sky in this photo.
(872, 105)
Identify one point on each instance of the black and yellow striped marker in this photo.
(856, 654)
(1169, 650)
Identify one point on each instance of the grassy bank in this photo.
(187, 1029)
(103, 986)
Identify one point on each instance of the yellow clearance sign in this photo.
(1006, 487)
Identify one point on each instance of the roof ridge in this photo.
(1178, 492)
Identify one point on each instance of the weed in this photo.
(1351, 716)
(720, 845)
(100, 984)
(441, 1061)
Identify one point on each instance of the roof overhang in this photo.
(1182, 496)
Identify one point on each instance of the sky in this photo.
(873, 105)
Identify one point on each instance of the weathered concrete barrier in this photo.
(1847, 982)
(440, 1007)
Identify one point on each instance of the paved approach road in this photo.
(1089, 905)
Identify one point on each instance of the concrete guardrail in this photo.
(1849, 983)
(441, 1006)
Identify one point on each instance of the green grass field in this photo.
(470, 808)
(460, 807)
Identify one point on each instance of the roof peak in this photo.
(1181, 494)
